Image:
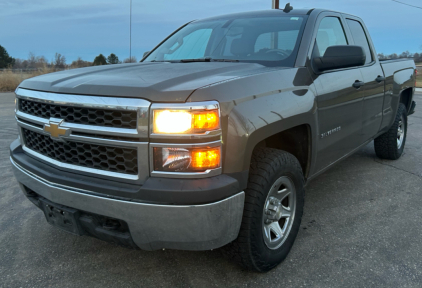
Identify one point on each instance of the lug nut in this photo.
(270, 212)
(274, 202)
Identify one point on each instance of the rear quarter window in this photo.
(360, 38)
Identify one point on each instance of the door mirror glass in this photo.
(340, 56)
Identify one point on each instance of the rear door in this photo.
(339, 103)
(373, 77)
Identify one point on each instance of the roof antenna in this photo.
(288, 8)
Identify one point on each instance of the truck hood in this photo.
(156, 82)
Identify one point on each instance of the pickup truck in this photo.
(211, 139)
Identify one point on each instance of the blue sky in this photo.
(86, 28)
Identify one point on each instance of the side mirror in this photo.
(145, 54)
(340, 56)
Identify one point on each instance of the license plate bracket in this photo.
(62, 217)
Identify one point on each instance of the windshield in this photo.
(266, 40)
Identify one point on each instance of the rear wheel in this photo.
(390, 145)
(273, 210)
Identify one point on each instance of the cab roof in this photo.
(263, 13)
(270, 12)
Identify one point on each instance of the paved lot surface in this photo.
(361, 228)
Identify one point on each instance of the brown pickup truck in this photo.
(211, 139)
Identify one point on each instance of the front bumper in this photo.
(151, 226)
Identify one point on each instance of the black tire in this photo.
(386, 145)
(250, 249)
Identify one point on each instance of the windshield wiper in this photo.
(225, 60)
(196, 60)
(207, 59)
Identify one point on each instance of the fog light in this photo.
(186, 159)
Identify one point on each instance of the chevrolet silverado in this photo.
(210, 140)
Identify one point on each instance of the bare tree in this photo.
(32, 60)
(59, 61)
(18, 64)
(130, 60)
(406, 54)
(79, 63)
(40, 62)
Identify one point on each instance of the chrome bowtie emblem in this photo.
(54, 129)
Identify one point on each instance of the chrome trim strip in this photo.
(30, 127)
(191, 145)
(186, 175)
(80, 168)
(31, 118)
(91, 129)
(108, 142)
(109, 103)
(179, 226)
(190, 106)
(111, 131)
(84, 139)
(208, 134)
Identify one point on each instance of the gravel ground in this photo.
(361, 228)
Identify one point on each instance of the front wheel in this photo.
(390, 145)
(273, 210)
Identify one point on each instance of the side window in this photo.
(198, 40)
(360, 38)
(330, 33)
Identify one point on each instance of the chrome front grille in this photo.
(80, 115)
(92, 144)
(107, 158)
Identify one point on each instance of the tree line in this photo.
(58, 62)
(417, 57)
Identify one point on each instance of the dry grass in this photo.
(10, 80)
(419, 77)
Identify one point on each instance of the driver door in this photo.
(339, 103)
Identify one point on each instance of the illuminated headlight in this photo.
(185, 121)
(186, 159)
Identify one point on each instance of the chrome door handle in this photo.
(380, 78)
(358, 84)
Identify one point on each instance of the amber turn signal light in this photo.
(206, 120)
(206, 158)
